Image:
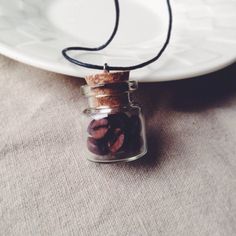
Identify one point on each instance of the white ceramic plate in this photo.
(204, 35)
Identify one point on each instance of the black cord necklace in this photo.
(107, 67)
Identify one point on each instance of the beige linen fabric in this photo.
(186, 185)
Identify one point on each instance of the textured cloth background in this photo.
(186, 185)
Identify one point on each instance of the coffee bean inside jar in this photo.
(116, 133)
(115, 130)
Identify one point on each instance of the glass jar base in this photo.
(110, 161)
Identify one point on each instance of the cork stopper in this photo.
(107, 77)
(108, 89)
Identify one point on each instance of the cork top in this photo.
(107, 77)
(107, 89)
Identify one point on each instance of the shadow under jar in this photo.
(114, 125)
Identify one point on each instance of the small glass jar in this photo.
(114, 128)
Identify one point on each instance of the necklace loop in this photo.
(107, 68)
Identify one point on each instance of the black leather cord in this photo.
(106, 67)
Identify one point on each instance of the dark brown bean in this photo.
(116, 140)
(119, 120)
(98, 128)
(134, 125)
(133, 141)
(98, 147)
(135, 144)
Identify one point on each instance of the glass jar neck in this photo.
(109, 95)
